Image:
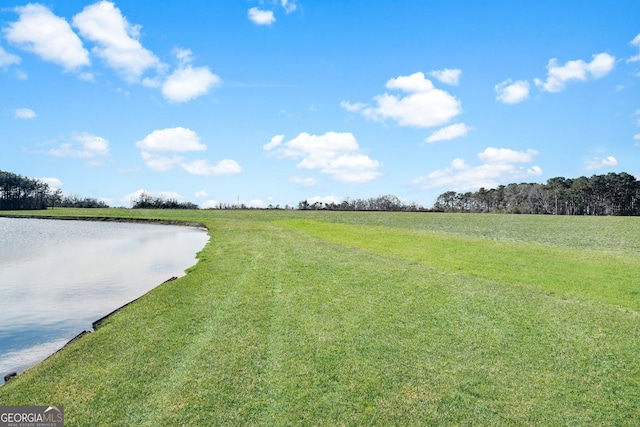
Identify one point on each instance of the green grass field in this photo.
(345, 318)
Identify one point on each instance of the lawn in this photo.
(346, 318)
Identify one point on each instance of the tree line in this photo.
(387, 203)
(610, 194)
(19, 192)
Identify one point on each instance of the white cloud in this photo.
(505, 155)
(50, 37)
(7, 59)
(256, 203)
(53, 183)
(176, 139)
(87, 77)
(352, 108)
(448, 76)
(276, 141)
(202, 167)
(598, 163)
(499, 166)
(184, 56)
(424, 106)
(25, 113)
(261, 17)
(510, 92)
(578, 70)
(210, 204)
(416, 82)
(636, 139)
(304, 181)
(160, 163)
(188, 83)
(448, 133)
(201, 194)
(288, 5)
(635, 42)
(83, 146)
(180, 140)
(335, 154)
(116, 39)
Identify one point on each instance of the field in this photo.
(347, 318)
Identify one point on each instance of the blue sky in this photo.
(277, 101)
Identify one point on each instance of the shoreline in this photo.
(110, 219)
(97, 323)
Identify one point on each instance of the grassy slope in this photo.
(300, 323)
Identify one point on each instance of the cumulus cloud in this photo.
(158, 148)
(261, 17)
(53, 183)
(7, 59)
(499, 165)
(510, 92)
(598, 163)
(82, 146)
(493, 155)
(578, 70)
(211, 204)
(202, 167)
(448, 76)
(352, 107)
(160, 162)
(116, 40)
(276, 141)
(335, 154)
(422, 106)
(186, 82)
(50, 37)
(25, 113)
(176, 139)
(304, 181)
(449, 132)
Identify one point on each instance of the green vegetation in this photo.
(354, 318)
(610, 194)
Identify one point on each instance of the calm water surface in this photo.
(57, 277)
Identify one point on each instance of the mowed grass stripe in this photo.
(607, 277)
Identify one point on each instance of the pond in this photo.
(59, 276)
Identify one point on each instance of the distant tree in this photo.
(147, 201)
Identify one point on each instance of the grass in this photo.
(327, 318)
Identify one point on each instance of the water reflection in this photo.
(56, 277)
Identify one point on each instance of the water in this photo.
(57, 277)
